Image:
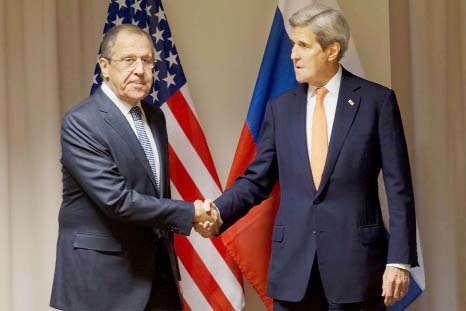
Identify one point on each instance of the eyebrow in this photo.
(134, 55)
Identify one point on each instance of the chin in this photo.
(137, 96)
(300, 80)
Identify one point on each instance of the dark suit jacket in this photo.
(341, 222)
(106, 249)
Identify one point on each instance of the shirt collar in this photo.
(332, 86)
(124, 106)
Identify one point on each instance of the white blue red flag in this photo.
(276, 75)
(210, 278)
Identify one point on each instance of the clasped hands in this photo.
(207, 220)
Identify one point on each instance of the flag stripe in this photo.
(276, 74)
(201, 275)
(206, 250)
(192, 295)
(188, 191)
(245, 153)
(221, 248)
(181, 178)
(187, 96)
(258, 224)
(191, 128)
(189, 157)
(185, 305)
(217, 266)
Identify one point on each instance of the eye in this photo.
(129, 61)
(147, 61)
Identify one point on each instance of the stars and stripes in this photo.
(210, 279)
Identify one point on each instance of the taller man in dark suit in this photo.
(115, 245)
(326, 141)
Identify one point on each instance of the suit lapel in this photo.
(298, 128)
(118, 122)
(347, 107)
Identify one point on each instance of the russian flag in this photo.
(276, 76)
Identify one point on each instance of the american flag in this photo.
(210, 279)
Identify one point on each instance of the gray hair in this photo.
(328, 25)
(109, 39)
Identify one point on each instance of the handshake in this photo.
(207, 220)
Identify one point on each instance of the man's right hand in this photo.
(201, 212)
(210, 227)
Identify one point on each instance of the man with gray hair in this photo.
(115, 242)
(326, 141)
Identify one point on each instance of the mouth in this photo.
(137, 84)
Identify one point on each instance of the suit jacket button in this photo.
(314, 232)
(317, 201)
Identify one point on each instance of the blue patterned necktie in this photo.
(144, 140)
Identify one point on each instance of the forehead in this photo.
(128, 43)
(303, 33)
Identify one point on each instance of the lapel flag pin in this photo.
(351, 102)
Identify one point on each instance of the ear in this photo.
(333, 50)
(105, 68)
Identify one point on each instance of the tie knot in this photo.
(321, 92)
(136, 113)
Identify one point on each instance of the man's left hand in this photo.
(395, 284)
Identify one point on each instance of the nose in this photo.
(294, 54)
(139, 69)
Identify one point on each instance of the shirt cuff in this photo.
(404, 266)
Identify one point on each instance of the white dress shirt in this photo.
(330, 105)
(125, 108)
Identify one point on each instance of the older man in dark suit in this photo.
(326, 141)
(115, 245)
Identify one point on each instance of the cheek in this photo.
(309, 65)
(312, 58)
(126, 77)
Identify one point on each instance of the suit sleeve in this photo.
(258, 180)
(89, 161)
(398, 184)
